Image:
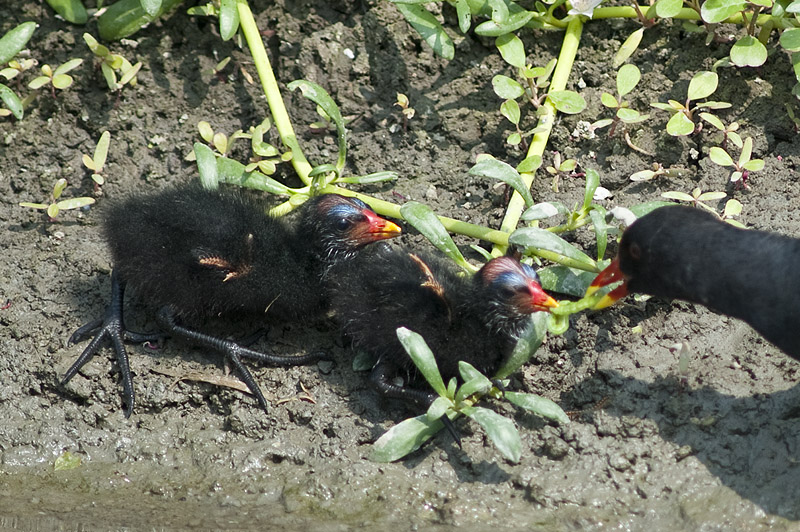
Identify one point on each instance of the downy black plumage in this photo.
(476, 318)
(193, 253)
(680, 252)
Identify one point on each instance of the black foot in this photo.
(233, 351)
(380, 377)
(110, 326)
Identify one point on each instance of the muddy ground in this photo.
(714, 449)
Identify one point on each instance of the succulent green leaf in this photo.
(101, 151)
(52, 210)
(67, 461)
(754, 165)
(631, 116)
(565, 280)
(514, 139)
(33, 205)
(74, 203)
(720, 156)
(540, 406)
(59, 187)
(232, 171)
(648, 207)
(438, 408)
(668, 8)
(680, 125)
(703, 85)
(423, 219)
(542, 211)
(319, 96)
(592, 182)
(423, 358)
(507, 88)
(479, 385)
(747, 151)
(429, 29)
(38, 83)
(630, 45)
(15, 40)
(404, 438)
(511, 49)
(713, 120)
(228, 19)
(495, 169)
(569, 102)
(608, 100)
(377, 177)
(500, 430)
(130, 73)
(680, 196)
(790, 39)
(748, 51)
(206, 166)
(12, 101)
(711, 196)
(468, 372)
(529, 342)
(109, 75)
(733, 207)
(464, 15)
(126, 17)
(529, 164)
(628, 77)
(713, 11)
(151, 7)
(72, 10)
(534, 238)
(515, 21)
(598, 217)
(642, 175)
(510, 110)
(62, 81)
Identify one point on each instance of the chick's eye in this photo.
(343, 224)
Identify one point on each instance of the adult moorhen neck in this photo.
(680, 252)
(193, 253)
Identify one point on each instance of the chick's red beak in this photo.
(540, 301)
(610, 275)
(376, 228)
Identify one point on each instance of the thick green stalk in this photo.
(686, 13)
(271, 90)
(569, 49)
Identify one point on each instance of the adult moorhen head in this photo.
(680, 252)
(471, 318)
(193, 253)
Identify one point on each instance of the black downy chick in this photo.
(680, 252)
(476, 319)
(192, 253)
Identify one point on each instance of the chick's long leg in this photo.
(110, 326)
(235, 352)
(381, 379)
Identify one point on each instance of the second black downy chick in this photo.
(193, 253)
(476, 319)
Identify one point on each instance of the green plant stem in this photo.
(686, 13)
(566, 58)
(272, 91)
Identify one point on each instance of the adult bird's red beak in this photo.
(610, 275)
